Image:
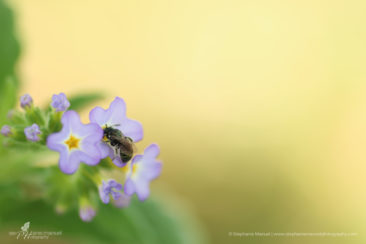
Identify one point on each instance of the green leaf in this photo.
(140, 223)
(9, 53)
(79, 102)
(9, 46)
(7, 97)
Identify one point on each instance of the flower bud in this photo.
(26, 101)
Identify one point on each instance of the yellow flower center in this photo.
(72, 142)
(134, 168)
(126, 169)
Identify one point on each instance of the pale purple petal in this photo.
(129, 187)
(132, 128)
(152, 170)
(112, 116)
(91, 158)
(71, 121)
(69, 163)
(137, 158)
(115, 116)
(118, 161)
(105, 150)
(99, 116)
(142, 190)
(152, 151)
(147, 169)
(117, 111)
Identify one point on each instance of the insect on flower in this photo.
(123, 130)
(122, 145)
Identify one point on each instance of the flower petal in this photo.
(117, 112)
(151, 170)
(103, 196)
(137, 158)
(69, 163)
(129, 187)
(142, 190)
(118, 161)
(132, 128)
(105, 150)
(115, 184)
(152, 151)
(99, 115)
(116, 195)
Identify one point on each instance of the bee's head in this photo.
(107, 132)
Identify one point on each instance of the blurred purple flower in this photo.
(122, 201)
(142, 170)
(32, 132)
(26, 101)
(60, 102)
(6, 130)
(10, 114)
(86, 213)
(115, 116)
(76, 143)
(107, 188)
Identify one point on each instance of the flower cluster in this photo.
(107, 141)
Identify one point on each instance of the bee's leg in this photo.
(117, 152)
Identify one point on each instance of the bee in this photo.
(122, 145)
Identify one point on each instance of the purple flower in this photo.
(26, 101)
(10, 114)
(122, 201)
(76, 143)
(6, 130)
(60, 102)
(86, 213)
(115, 116)
(107, 188)
(32, 132)
(142, 170)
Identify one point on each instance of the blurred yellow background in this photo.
(259, 106)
